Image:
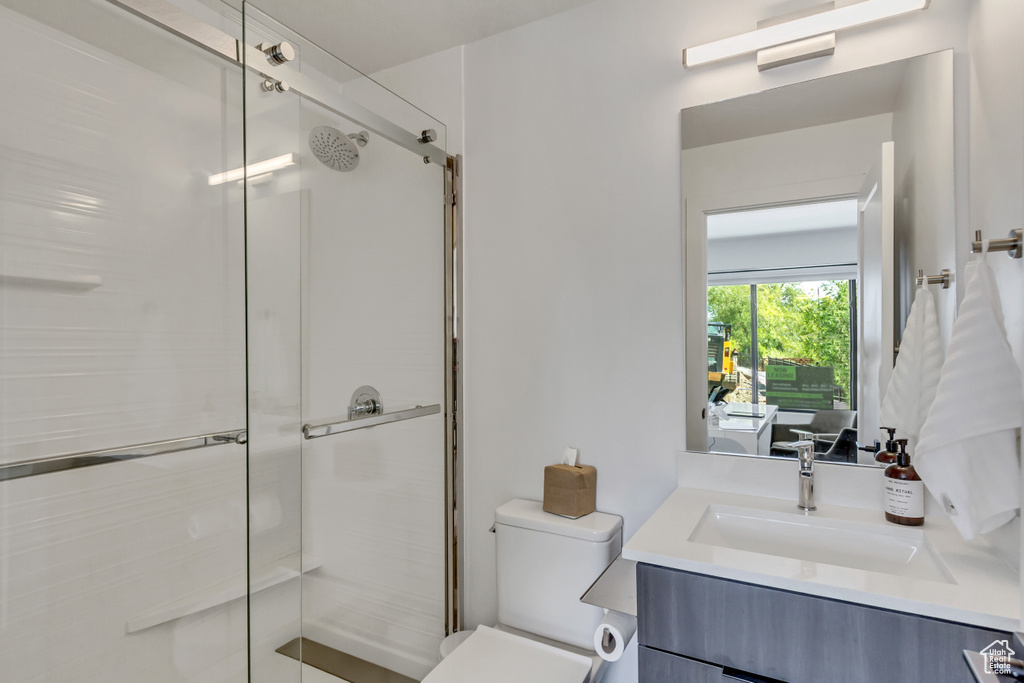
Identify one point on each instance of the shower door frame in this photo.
(167, 16)
(454, 490)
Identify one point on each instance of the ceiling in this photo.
(372, 35)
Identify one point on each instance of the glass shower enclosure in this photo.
(226, 398)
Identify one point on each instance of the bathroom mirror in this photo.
(809, 210)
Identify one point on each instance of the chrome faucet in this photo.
(805, 455)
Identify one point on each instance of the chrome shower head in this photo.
(336, 150)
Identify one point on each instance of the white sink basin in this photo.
(877, 548)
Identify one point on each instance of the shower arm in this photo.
(167, 16)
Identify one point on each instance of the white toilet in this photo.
(544, 633)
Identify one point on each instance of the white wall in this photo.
(997, 145)
(997, 160)
(434, 84)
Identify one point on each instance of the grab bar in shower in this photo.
(316, 431)
(58, 463)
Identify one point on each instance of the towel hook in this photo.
(1011, 244)
(943, 279)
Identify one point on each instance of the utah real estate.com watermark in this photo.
(997, 657)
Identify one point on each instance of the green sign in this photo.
(799, 387)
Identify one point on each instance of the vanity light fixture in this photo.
(255, 169)
(805, 35)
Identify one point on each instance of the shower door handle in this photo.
(311, 431)
(69, 461)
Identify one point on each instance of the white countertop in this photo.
(982, 589)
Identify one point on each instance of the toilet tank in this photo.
(545, 563)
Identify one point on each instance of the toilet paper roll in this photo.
(613, 634)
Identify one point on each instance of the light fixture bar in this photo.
(254, 169)
(796, 51)
(798, 29)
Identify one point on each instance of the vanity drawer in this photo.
(795, 637)
(656, 666)
(662, 667)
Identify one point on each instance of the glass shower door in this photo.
(354, 232)
(197, 335)
(122, 352)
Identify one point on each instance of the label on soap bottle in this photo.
(904, 498)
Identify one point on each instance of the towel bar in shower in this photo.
(316, 431)
(70, 461)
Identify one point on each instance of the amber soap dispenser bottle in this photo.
(904, 490)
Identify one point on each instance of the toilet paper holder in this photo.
(615, 589)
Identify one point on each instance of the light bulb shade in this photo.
(797, 29)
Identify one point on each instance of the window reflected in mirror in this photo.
(791, 271)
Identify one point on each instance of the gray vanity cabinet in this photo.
(702, 629)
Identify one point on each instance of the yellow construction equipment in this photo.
(720, 351)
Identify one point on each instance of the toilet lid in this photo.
(497, 657)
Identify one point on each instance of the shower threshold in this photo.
(337, 663)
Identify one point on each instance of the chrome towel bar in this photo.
(310, 431)
(59, 463)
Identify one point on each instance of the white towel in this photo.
(967, 452)
(915, 378)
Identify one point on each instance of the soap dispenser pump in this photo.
(888, 456)
(904, 490)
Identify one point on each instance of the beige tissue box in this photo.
(570, 490)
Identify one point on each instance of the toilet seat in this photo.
(498, 657)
